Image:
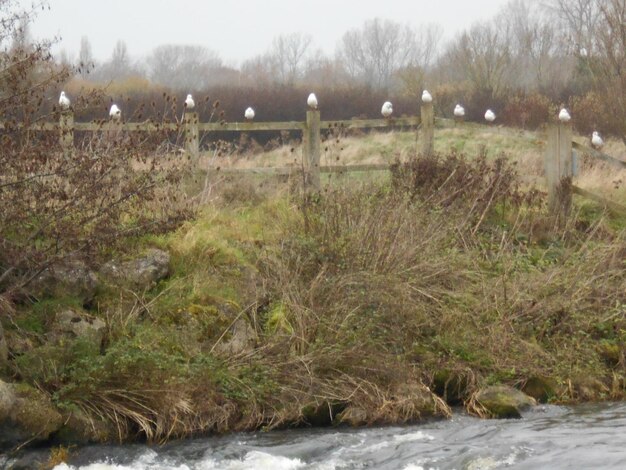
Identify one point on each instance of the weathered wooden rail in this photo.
(191, 128)
(558, 161)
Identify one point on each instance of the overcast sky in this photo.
(236, 29)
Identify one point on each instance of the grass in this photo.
(357, 297)
(525, 148)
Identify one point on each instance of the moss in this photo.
(503, 402)
(278, 319)
(34, 414)
(361, 293)
(611, 353)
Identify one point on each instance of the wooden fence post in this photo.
(66, 126)
(428, 129)
(192, 135)
(558, 169)
(312, 144)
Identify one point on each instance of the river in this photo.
(548, 437)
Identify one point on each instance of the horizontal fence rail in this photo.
(294, 169)
(599, 155)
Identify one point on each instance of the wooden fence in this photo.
(311, 130)
(559, 171)
(558, 161)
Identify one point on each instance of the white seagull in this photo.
(312, 101)
(427, 97)
(189, 102)
(249, 114)
(387, 109)
(596, 140)
(564, 115)
(490, 116)
(64, 101)
(459, 111)
(115, 113)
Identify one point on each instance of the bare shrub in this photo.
(71, 202)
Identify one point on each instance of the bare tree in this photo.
(579, 22)
(120, 60)
(184, 67)
(85, 58)
(608, 64)
(119, 66)
(258, 71)
(323, 71)
(288, 56)
(373, 53)
(481, 56)
(538, 61)
(414, 74)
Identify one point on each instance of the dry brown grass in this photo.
(524, 148)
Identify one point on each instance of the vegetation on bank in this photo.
(376, 301)
(351, 306)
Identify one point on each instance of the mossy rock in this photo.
(540, 388)
(451, 385)
(70, 278)
(501, 401)
(140, 273)
(80, 429)
(612, 354)
(26, 415)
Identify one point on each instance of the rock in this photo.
(72, 324)
(7, 400)
(26, 415)
(141, 273)
(243, 338)
(4, 349)
(71, 278)
(540, 388)
(501, 401)
(80, 429)
(353, 416)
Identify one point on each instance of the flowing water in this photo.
(548, 437)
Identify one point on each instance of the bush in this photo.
(590, 114)
(71, 202)
(528, 110)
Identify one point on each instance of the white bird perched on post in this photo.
(490, 116)
(564, 115)
(459, 111)
(189, 102)
(115, 113)
(387, 109)
(249, 114)
(312, 101)
(427, 97)
(596, 140)
(64, 101)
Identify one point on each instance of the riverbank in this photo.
(372, 303)
(558, 437)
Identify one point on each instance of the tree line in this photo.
(527, 60)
